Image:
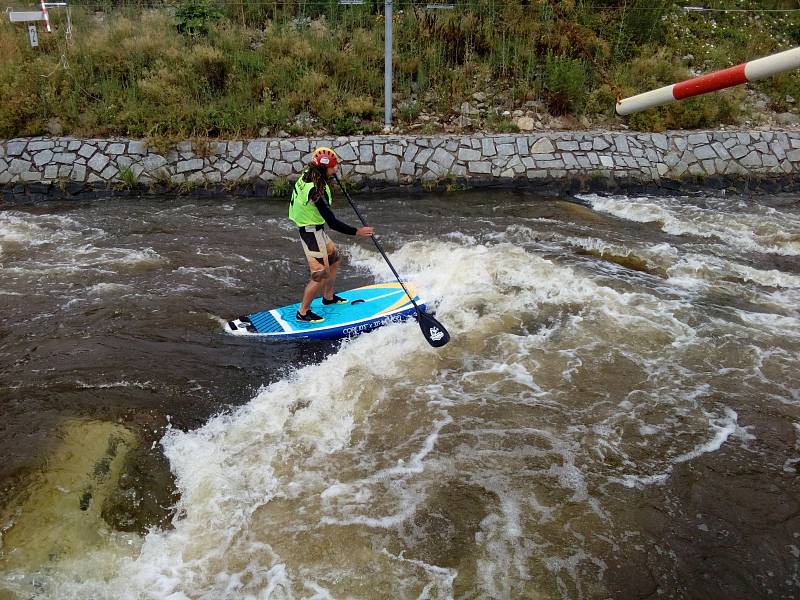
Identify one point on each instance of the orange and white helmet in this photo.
(324, 157)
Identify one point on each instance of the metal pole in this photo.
(46, 17)
(387, 66)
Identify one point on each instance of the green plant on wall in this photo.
(280, 187)
(452, 184)
(188, 186)
(127, 180)
(430, 185)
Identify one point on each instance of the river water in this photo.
(617, 414)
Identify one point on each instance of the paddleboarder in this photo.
(310, 210)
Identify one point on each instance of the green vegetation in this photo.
(195, 18)
(280, 187)
(127, 180)
(203, 70)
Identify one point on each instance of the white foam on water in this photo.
(113, 384)
(524, 404)
(218, 274)
(756, 229)
(90, 255)
(502, 276)
(462, 238)
(33, 230)
(775, 324)
(790, 465)
(514, 372)
(632, 209)
(65, 246)
(339, 497)
(570, 564)
(523, 235)
(68, 261)
(226, 471)
(720, 428)
(109, 288)
(441, 585)
(771, 278)
(704, 269)
(320, 593)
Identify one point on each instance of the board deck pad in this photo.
(367, 307)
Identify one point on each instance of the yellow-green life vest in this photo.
(301, 211)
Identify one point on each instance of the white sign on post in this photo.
(34, 37)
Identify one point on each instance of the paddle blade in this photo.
(433, 331)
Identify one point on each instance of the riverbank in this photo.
(197, 69)
(40, 168)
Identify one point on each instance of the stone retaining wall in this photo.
(68, 166)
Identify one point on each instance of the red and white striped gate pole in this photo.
(761, 68)
(46, 16)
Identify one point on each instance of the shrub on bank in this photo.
(246, 69)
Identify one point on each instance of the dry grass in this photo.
(258, 69)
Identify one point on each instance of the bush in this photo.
(653, 69)
(18, 110)
(362, 107)
(409, 112)
(240, 68)
(783, 91)
(564, 82)
(499, 124)
(195, 17)
(345, 125)
(280, 187)
(209, 64)
(692, 113)
(601, 101)
(127, 180)
(660, 68)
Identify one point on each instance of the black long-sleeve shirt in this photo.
(330, 219)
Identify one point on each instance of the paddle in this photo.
(433, 331)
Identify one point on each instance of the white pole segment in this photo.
(646, 100)
(754, 70)
(761, 68)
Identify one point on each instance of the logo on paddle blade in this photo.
(436, 334)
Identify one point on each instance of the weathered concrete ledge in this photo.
(41, 168)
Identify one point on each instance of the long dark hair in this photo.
(316, 175)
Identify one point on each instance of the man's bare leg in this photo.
(327, 288)
(313, 289)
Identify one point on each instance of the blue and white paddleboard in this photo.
(368, 307)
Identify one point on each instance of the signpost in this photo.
(25, 16)
(387, 66)
(33, 36)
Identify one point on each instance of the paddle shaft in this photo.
(377, 243)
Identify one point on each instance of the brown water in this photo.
(617, 414)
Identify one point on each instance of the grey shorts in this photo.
(318, 247)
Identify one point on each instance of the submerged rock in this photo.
(60, 515)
